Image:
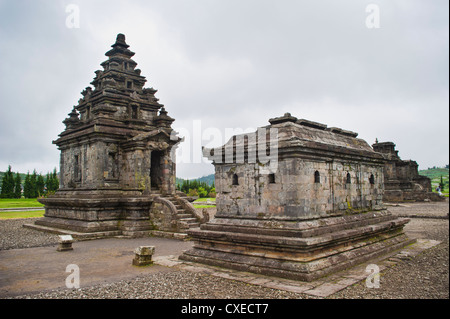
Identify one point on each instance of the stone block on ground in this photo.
(143, 256)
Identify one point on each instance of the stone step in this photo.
(182, 215)
(76, 235)
(379, 232)
(189, 219)
(333, 225)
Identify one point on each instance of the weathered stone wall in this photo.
(293, 192)
(90, 165)
(163, 216)
(167, 174)
(135, 169)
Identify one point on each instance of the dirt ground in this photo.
(39, 270)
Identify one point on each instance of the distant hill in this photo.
(435, 174)
(209, 179)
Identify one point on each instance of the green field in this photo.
(204, 200)
(435, 175)
(198, 202)
(19, 202)
(32, 214)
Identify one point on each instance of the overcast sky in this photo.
(232, 64)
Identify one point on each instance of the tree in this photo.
(52, 182)
(192, 192)
(8, 184)
(28, 191)
(40, 185)
(212, 193)
(18, 186)
(202, 193)
(33, 184)
(441, 184)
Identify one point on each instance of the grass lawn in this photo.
(203, 206)
(33, 214)
(198, 202)
(19, 202)
(205, 200)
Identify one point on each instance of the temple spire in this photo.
(120, 47)
(120, 40)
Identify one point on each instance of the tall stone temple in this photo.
(117, 169)
(316, 209)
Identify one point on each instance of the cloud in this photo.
(233, 64)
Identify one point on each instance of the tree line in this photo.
(196, 188)
(35, 185)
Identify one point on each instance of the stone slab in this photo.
(106, 234)
(325, 290)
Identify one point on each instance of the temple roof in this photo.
(296, 137)
(118, 105)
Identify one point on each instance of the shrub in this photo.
(192, 192)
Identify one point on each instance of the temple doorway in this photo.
(156, 174)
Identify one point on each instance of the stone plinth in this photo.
(303, 250)
(79, 213)
(65, 243)
(143, 256)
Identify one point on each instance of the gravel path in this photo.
(425, 277)
(420, 209)
(13, 235)
(171, 285)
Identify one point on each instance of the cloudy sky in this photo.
(229, 65)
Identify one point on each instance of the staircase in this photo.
(182, 214)
(185, 218)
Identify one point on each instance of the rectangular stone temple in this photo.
(299, 200)
(117, 169)
(402, 181)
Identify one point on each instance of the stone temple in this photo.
(117, 169)
(312, 209)
(402, 181)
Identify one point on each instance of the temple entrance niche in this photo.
(156, 170)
